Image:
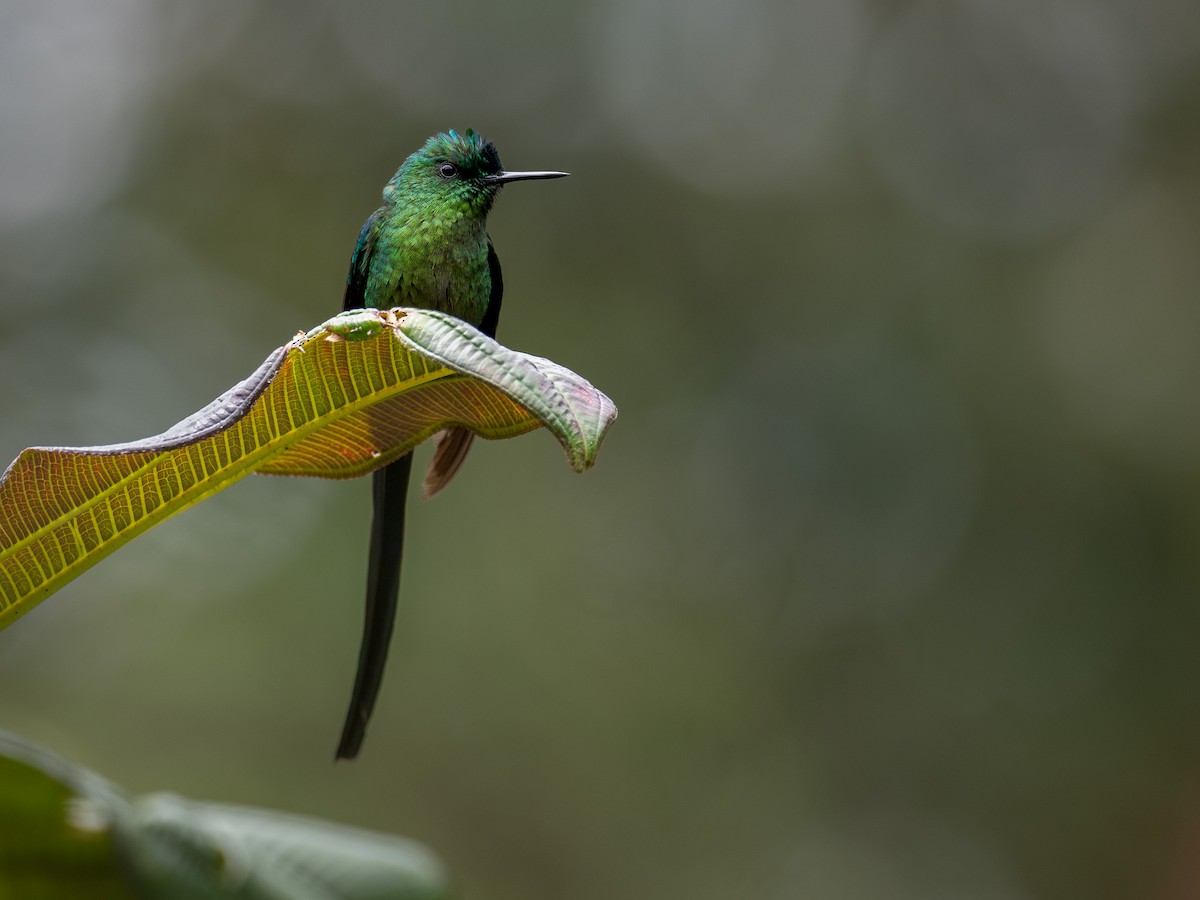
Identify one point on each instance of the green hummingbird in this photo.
(427, 247)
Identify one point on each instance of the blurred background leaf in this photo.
(70, 834)
(886, 585)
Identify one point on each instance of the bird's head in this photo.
(459, 169)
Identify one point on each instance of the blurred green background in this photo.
(886, 582)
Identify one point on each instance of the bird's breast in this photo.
(434, 263)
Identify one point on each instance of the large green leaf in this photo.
(66, 832)
(342, 400)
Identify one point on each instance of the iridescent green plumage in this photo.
(427, 246)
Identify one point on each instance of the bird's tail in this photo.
(390, 488)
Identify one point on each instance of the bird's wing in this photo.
(360, 263)
(491, 316)
(451, 445)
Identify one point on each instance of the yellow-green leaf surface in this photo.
(342, 400)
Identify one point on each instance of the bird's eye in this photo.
(447, 170)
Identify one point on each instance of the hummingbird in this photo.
(426, 247)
